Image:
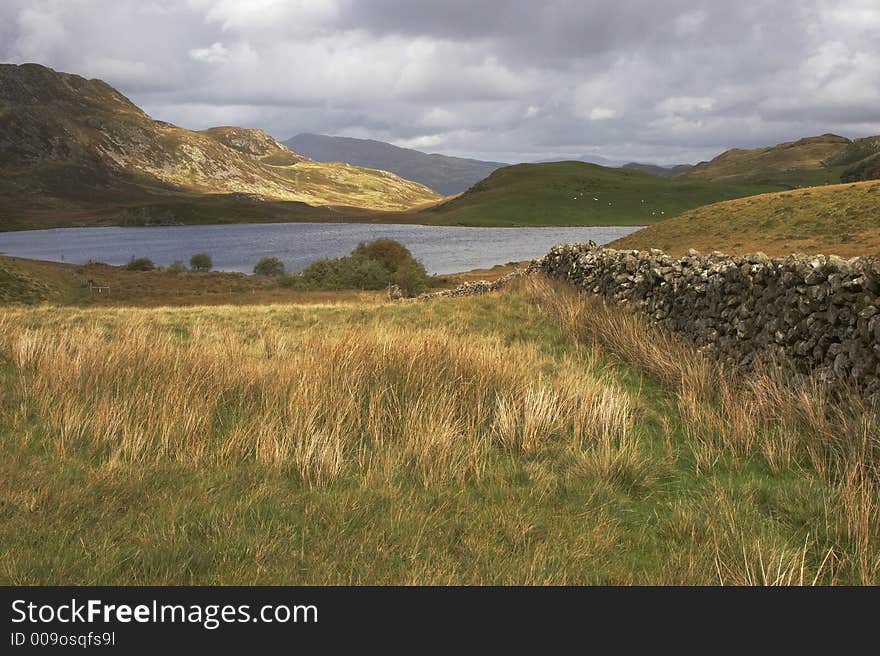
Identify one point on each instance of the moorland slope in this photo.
(77, 151)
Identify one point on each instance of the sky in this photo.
(666, 81)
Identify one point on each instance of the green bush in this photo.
(387, 252)
(176, 267)
(345, 273)
(269, 266)
(411, 278)
(140, 264)
(371, 266)
(201, 262)
(292, 281)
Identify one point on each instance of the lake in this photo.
(237, 247)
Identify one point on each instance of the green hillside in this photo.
(841, 219)
(577, 193)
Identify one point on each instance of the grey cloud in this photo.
(677, 80)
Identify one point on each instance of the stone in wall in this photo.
(819, 313)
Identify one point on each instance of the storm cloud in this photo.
(508, 80)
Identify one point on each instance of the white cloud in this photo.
(276, 16)
(602, 113)
(686, 104)
(216, 53)
(420, 142)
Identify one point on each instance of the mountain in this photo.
(662, 171)
(577, 193)
(74, 150)
(839, 219)
(445, 175)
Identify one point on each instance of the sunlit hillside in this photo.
(840, 219)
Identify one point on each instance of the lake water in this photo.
(238, 247)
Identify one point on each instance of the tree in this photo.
(269, 266)
(201, 262)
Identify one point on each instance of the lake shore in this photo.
(443, 250)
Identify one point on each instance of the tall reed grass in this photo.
(377, 404)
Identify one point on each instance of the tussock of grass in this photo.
(371, 403)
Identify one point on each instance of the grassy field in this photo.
(576, 193)
(25, 281)
(840, 219)
(29, 282)
(530, 436)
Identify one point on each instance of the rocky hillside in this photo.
(71, 147)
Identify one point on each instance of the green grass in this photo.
(653, 510)
(795, 179)
(563, 193)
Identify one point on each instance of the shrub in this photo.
(387, 252)
(293, 281)
(176, 267)
(269, 266)
(201, 262)
(140, 264)
(375, 265)
(411, 278)
(345, 273)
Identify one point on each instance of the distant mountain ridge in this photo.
(72, 147)
(442, 173)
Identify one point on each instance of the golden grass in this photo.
(375, 403)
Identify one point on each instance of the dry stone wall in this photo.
(819, 313)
